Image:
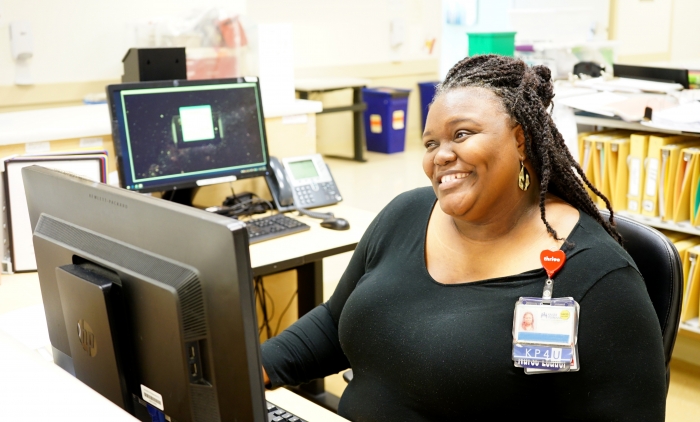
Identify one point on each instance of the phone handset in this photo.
(280, 188)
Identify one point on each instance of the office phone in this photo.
(304, 181)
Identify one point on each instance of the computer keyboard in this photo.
(273, 226)
(276, 414)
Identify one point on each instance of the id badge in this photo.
(545, 335)
(545, 330)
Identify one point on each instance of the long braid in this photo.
(526, 94)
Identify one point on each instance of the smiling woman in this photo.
(424, 312)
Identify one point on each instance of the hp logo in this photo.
(87, 338)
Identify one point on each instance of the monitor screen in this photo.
(182, 134)
(148, 302)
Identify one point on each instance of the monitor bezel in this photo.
(119, 140)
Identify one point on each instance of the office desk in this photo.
(302, 251)
(305, 252)
(33, 389)
(319, 85)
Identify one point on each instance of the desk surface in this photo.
(291, 251)
(32, 388)
(30, 383)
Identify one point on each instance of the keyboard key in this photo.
(273, 226)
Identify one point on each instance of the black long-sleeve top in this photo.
(425, 351)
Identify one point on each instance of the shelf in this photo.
(683, 227)
(621, 124)
(692, 326)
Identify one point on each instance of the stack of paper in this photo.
(684, 117)
(629, 85)
(629, 107)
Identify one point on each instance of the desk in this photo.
(305, 252)
(302, 251)
(32, 388)
(319, 85)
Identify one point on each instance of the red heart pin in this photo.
(552, 261)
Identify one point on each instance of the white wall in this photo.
(685, 31)
(643, 27)
(85, 40)
(352, 32)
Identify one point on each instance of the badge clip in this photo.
(552, 261)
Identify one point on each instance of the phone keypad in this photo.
(316, 194)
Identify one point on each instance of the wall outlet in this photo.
(21, 40)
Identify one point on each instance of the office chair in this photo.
(660, 265)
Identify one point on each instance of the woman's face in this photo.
(527, 319)
(473, 153)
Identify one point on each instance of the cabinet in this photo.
(691, 327)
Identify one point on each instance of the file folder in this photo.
(694, 202)
(675, 237)
(639, 146)
(670, 158)
(688, 164)
(652, 167)
(691, 290)
(616, 152)
(597, 166)
(587, 163)
(683, 247)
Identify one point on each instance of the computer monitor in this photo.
(180, 134)
(147, 300)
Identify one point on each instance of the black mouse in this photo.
(335, 224)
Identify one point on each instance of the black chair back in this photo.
(660, 265)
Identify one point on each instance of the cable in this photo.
(312, 214)
(261, 295)
(284, 311)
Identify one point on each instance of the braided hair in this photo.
(526, 94)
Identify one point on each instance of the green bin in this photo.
(502, 43)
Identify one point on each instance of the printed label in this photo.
(648, 206)
(544, 324)
(635, 167)
(633, 206)
(652, 173)
(550, 354)
(397, 120)
(152, 397)
(375, 123)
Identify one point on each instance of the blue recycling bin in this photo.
(427, 93)
(385, 118)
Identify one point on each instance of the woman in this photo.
(424, 311)
(528, 323)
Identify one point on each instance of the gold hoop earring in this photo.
(523, 178)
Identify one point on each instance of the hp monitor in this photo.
(147, 301)
(175, 135)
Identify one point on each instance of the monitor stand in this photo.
(180, 196)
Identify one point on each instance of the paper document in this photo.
(685, 118)
(594, 103)
(629, 85)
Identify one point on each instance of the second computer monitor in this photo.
(172, 135)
